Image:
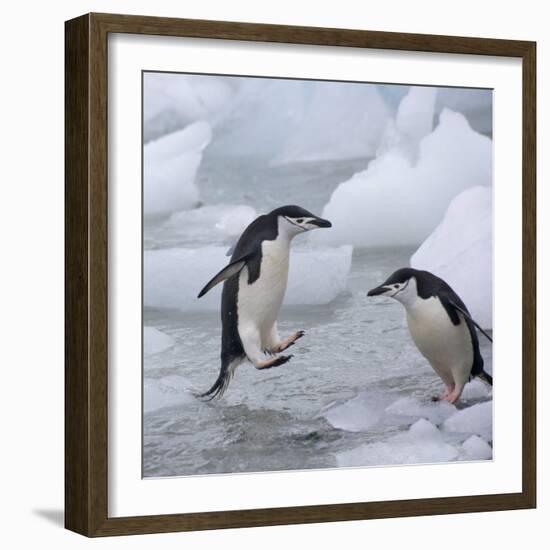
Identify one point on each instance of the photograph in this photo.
(317, 274)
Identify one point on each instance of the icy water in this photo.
(355, 385)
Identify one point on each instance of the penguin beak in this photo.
(378, 290)
(320, 222)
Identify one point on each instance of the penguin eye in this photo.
(299, 220)
(395, 286)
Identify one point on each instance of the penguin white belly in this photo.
(447, 347)
(259, 303)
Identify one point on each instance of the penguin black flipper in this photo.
(453, 306)
(232, 269)
(466, 314)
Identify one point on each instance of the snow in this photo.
(170, 165)
(460, 252)
(422, 443)
(477, 419)
(214, 224)
(155, 341)
(399, 201)
(474, 448)
(173, 277)
(166, 392)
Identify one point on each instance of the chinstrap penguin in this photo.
(441, 327)
(254, 287)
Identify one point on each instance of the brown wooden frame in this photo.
(86, 274)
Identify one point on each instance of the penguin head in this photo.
(401, 286)
(293, 220)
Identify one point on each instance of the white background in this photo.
(31, 214)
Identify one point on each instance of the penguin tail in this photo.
(222, 382)
(486, 377)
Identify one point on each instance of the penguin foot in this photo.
(445, 395)
(453, 397)
(290, 341)
(274, 362)
(442, 397)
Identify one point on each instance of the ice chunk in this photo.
(422, 443)
(415, 115)
(165, 392)
(477, 419)
(317, 276)
(474, 448)
(298, 120)
(475, 105)
(173, 277)
(476, 389)
(214, 224)
(172, 101)
(169, 168)
(414, 121)
(460, 251)
(358, 414)
(398, 202)
(155, 341)
(435, 412)
(341, 120)
(233, 222)
(369, 409)
(264, 112)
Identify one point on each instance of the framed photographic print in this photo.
(300, 275)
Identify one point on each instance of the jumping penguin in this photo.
(441, 327)
(253, 291)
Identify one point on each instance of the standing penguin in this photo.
(253, 291)
(441, 327)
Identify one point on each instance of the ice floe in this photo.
(358, 414)
(434, 411)
(475, 448)
(173, 277)
(422, 443)
(477, 419)
(214, 224)
(155, 341)
(476, 389)
(170, 165)
(438, 431)
(369, 409)
(460, 251)
(166, 392)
